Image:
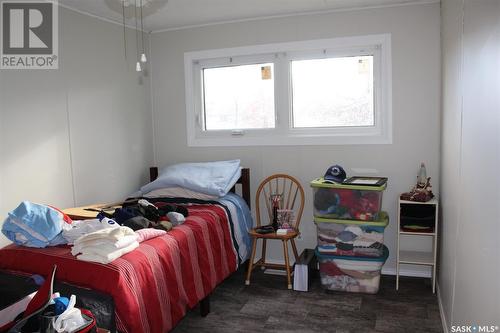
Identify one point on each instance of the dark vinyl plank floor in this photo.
(267, 306)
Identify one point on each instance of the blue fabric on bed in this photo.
(244, 221)
(34, 225)
(214, 178)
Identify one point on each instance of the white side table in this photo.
(426, 258)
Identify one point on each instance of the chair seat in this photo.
(273, 235)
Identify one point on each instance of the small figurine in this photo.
(422, 176)
(422, 191)
(275, 204)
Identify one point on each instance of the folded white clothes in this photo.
(104, 244)
(83, 227)
(96, 254)
(111, 234)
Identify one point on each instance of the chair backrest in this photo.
(287, 191)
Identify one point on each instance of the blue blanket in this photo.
(243, 222)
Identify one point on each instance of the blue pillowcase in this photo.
(213, 178)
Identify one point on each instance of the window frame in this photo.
(281, 54)
(198, 68)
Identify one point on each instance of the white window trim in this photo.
(284, 134)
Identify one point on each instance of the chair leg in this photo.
(294, 248)
(264, 245)
(287, 264)
(250, 263)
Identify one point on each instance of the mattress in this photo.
(154, 285)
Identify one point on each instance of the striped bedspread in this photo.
(154, 285)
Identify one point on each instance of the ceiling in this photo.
(175, 14)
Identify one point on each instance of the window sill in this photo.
(289, 140)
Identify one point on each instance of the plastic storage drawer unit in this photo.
(342, 201)
(351, 274)
(351, 238)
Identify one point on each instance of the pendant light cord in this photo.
(136, 31)
(124, 31)
(142, 30)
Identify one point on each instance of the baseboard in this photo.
(441, 310)
(406, 272)
(403, 271)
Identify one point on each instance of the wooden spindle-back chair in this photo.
(291, 195)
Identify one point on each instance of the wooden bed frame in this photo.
(244, 181)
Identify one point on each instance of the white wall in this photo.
(416, 102)
(450, 142)
(470, 261)
(80, 134)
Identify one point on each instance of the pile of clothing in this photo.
(352, 276)
(99, 240)
(105, 245)
(146, 215)
(104, 240)
(347, 204)
(351, 241)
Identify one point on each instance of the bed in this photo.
(154, 285)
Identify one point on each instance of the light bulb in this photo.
(138, 67)
(143, 57)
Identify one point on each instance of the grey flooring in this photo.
(267, 306)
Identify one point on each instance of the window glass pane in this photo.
(333, 92)
(239, 97)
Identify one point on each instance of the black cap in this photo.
(335, 173)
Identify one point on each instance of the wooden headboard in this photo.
(244, 181)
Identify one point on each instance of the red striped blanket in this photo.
(154, 285)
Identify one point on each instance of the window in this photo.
(238, 97)
(334, 91)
